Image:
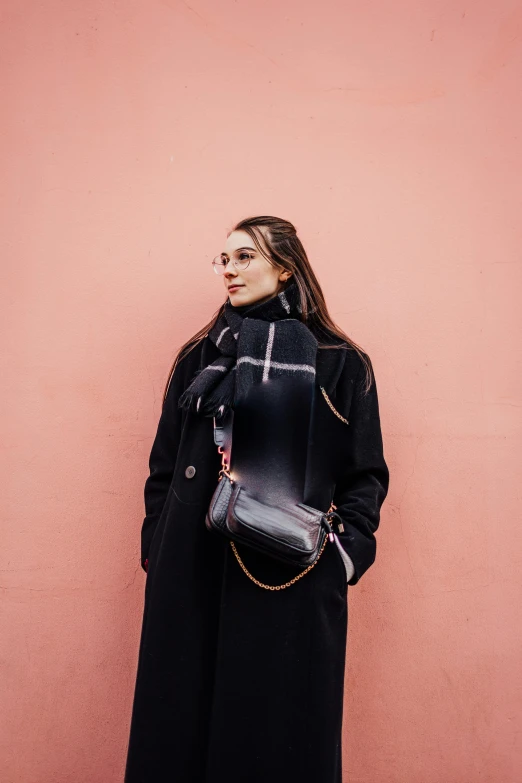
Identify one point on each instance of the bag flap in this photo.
(298, 525)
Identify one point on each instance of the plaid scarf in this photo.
(257, 342)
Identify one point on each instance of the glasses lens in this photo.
(243, 260)
(219, 265)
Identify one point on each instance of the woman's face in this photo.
(259, 281)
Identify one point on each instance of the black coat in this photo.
(237, 684)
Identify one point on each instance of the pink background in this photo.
(134, 135)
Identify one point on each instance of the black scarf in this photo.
(256, 341)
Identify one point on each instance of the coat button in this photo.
(190, 472)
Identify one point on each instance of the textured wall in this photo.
(134, 134)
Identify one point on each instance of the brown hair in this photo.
(277, 240)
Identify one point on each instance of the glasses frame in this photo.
(217, 262)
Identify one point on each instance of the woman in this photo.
(236, 683)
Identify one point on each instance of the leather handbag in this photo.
(295, 534)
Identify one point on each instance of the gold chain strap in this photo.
(286, 584)
(225, 472)
(332, 407)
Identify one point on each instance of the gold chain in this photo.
(286, 584)
(332, 407)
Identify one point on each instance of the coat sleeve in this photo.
(162, 460)
(364, 479)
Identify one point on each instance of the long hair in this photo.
(277, 241)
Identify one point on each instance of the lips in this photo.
(231, 287)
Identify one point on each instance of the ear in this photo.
(285, 275)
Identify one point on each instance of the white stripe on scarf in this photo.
(279, 365)
(269, 344)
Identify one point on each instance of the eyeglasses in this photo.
(240, 259)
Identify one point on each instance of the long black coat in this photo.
(235, 683)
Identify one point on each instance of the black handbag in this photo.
(295, 534)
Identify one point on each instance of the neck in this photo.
(245, 307)
(258, 302)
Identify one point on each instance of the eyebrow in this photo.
(238, 249)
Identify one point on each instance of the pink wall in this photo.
(134, 135)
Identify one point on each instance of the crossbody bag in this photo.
(295, 534)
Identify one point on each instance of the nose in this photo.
(230, 269)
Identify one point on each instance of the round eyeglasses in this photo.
(240, 259)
